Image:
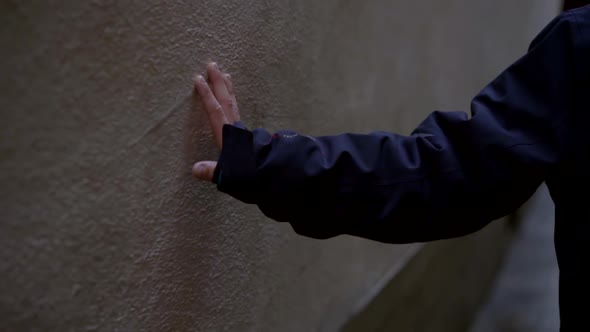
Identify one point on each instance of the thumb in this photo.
(204, 170)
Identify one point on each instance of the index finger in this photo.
(213, 109)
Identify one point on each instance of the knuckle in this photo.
(212, 101)
(230, 104)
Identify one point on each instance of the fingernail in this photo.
(200, 78)
(198, 169)
(214, 64)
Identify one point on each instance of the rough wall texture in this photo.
(102, 227)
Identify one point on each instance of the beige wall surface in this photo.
(102, 227)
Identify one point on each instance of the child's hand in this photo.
(219, 102)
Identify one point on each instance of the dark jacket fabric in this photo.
(454, 174)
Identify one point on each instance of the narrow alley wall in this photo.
(102, 227)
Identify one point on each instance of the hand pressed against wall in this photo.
(219, 102)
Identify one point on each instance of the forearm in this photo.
(382, 186)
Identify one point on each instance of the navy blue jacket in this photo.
(454, 174)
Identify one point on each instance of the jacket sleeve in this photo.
(452, 176)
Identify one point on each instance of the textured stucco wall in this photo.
(102, 227)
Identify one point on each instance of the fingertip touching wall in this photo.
(102, 226)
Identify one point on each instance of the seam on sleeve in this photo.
(576, 23)
(421, 177)
(578, 38)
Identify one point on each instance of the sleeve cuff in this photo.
(236, 167)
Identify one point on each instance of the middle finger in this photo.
(220, 90)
